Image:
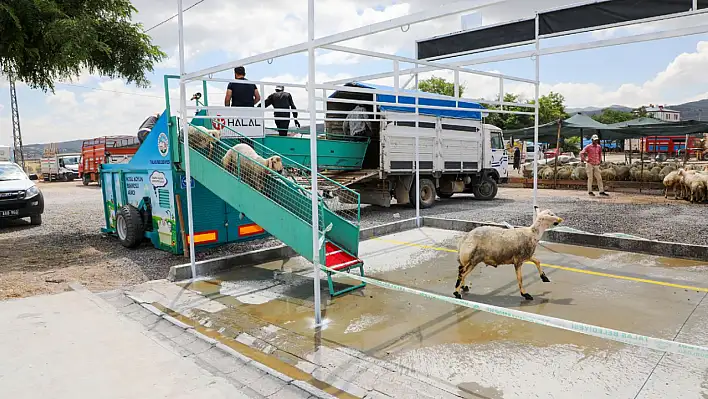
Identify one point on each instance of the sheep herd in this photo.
(689, 183)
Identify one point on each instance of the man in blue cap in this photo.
(281, 99)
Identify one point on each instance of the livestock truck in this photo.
(457, 152)
(102, 150)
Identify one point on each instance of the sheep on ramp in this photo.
(249, 171)
(498, 246)
(203, 138)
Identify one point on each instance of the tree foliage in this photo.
(551, 108)
(42, 41)
(439, 86)
(610, 116)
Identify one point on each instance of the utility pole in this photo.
(16, 133)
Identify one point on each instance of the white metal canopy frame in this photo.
(329, 42)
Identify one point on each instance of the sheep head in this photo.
(546, 219)
(274, 163)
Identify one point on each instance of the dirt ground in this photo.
(69, 246)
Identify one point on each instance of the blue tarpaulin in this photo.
(383, 99)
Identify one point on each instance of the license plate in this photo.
(13, 212)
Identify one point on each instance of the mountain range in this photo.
(696, 110)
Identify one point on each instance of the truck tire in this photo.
(129, 226)
(486, 189)
(427, 194)
(86, 180)
(36, 220)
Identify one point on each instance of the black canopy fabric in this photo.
(585, 125)
(562, 21)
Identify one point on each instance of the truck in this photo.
(102, 150)
(55, 166)
(458, 153)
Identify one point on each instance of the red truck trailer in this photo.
(109, 149)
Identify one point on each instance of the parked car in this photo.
(19, 195)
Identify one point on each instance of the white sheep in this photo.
(672, 181)
(498, 246)
(693, 185)
(252, 174)
(203, 138)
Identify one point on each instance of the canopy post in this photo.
(641, 160)
(555, 167)
(535, 122)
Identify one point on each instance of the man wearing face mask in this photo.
(281, 99)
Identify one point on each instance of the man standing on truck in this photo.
(281, 99)
(147, 126)
(592, 153)
(241, 94)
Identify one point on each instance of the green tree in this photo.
(509, 121)
(610, 116)
(551, 108)
(640, 112)
(42, 41)
(439, 86)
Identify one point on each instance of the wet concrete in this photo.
(458, 351)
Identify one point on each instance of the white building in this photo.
(664, 114)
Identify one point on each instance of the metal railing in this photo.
(278, 178)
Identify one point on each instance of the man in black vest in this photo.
(281, 99)
(241, 94)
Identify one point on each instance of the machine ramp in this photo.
(274, 201)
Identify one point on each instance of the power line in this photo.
(111, 91)
(174, 16)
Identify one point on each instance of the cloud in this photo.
(236, 29)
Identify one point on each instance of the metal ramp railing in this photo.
(275, 201)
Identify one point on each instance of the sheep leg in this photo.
(521, 284)
(544, 278)
(462, 273)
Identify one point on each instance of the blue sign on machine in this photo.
(183, 182)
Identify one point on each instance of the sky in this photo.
(670, 71)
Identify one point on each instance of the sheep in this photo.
(251, 174)
(202, 138)
(579, 173)
(623, 173)
(693, 185)
(500, 246)
(608, 174)
(672, 181)
(564, 173)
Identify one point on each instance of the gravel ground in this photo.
(69, 246)
(647, 216)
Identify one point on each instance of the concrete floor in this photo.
(375, 338)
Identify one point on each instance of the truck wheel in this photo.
(36, 220)
(129, 226)
(427, 194)
(64, 177)
(486, 189)
(86, 180)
